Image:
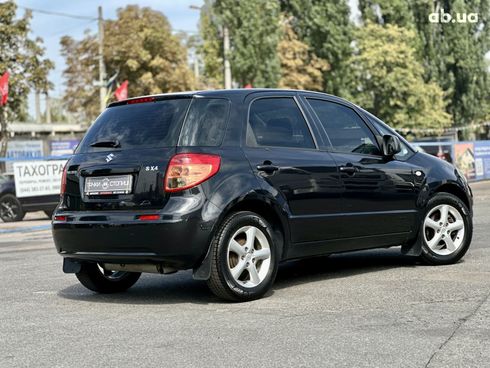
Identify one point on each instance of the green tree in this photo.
(387, 12)
(82, 70)
(24, 59)
(255, 32)
(453, 53)
(211, 48)
(300, 67)
(39, 66)
(389, 80)
(325, 26)
(459, 62)
(139, 45)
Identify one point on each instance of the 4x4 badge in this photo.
(109, 157)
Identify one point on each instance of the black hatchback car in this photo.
(231, 183)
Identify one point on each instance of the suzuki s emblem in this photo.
(109, 157)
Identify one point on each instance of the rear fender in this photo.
(247, 202)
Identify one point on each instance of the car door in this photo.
(283, 153)
(379, 196)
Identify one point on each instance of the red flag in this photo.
(4, 88)
(121, 92)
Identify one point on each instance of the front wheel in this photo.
(447, 230)
(244, 258)
(96, 278)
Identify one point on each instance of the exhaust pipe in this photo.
(145, 267)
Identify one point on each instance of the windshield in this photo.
(147, 125)
(4, 178)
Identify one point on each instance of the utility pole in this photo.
(226, 51)
(196, 66)
(48, 108)
(37, 104)
(3, 136)
(102, 75)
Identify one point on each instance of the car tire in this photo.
(244, 258)
(446, 230)
(11, 209)
(95, 278)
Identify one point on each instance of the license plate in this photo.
(106, 185)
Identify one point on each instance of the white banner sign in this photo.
(23, 150)
(37, 178)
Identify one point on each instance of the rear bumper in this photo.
(180, 242)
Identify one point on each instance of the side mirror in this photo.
(391, 145)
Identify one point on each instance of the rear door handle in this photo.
(267, 168)
(348, 169)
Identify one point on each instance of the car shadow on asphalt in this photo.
(181, 288)
(150, 289)
(341, 266)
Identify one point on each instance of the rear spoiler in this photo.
(145, 99)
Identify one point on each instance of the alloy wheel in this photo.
(8, 209)
(444, 229)
(249, 256)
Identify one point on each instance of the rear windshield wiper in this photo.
(108, 143)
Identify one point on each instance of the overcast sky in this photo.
(51, 27)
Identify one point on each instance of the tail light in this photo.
(63, 180)
(141, 100)
(148, 217)
(187, 170)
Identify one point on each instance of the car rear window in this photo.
(143, 125)
(205, 123)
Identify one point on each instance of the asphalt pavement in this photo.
(363, 309)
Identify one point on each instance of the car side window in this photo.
(344, 128)
(277, 122)
(205, 122)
